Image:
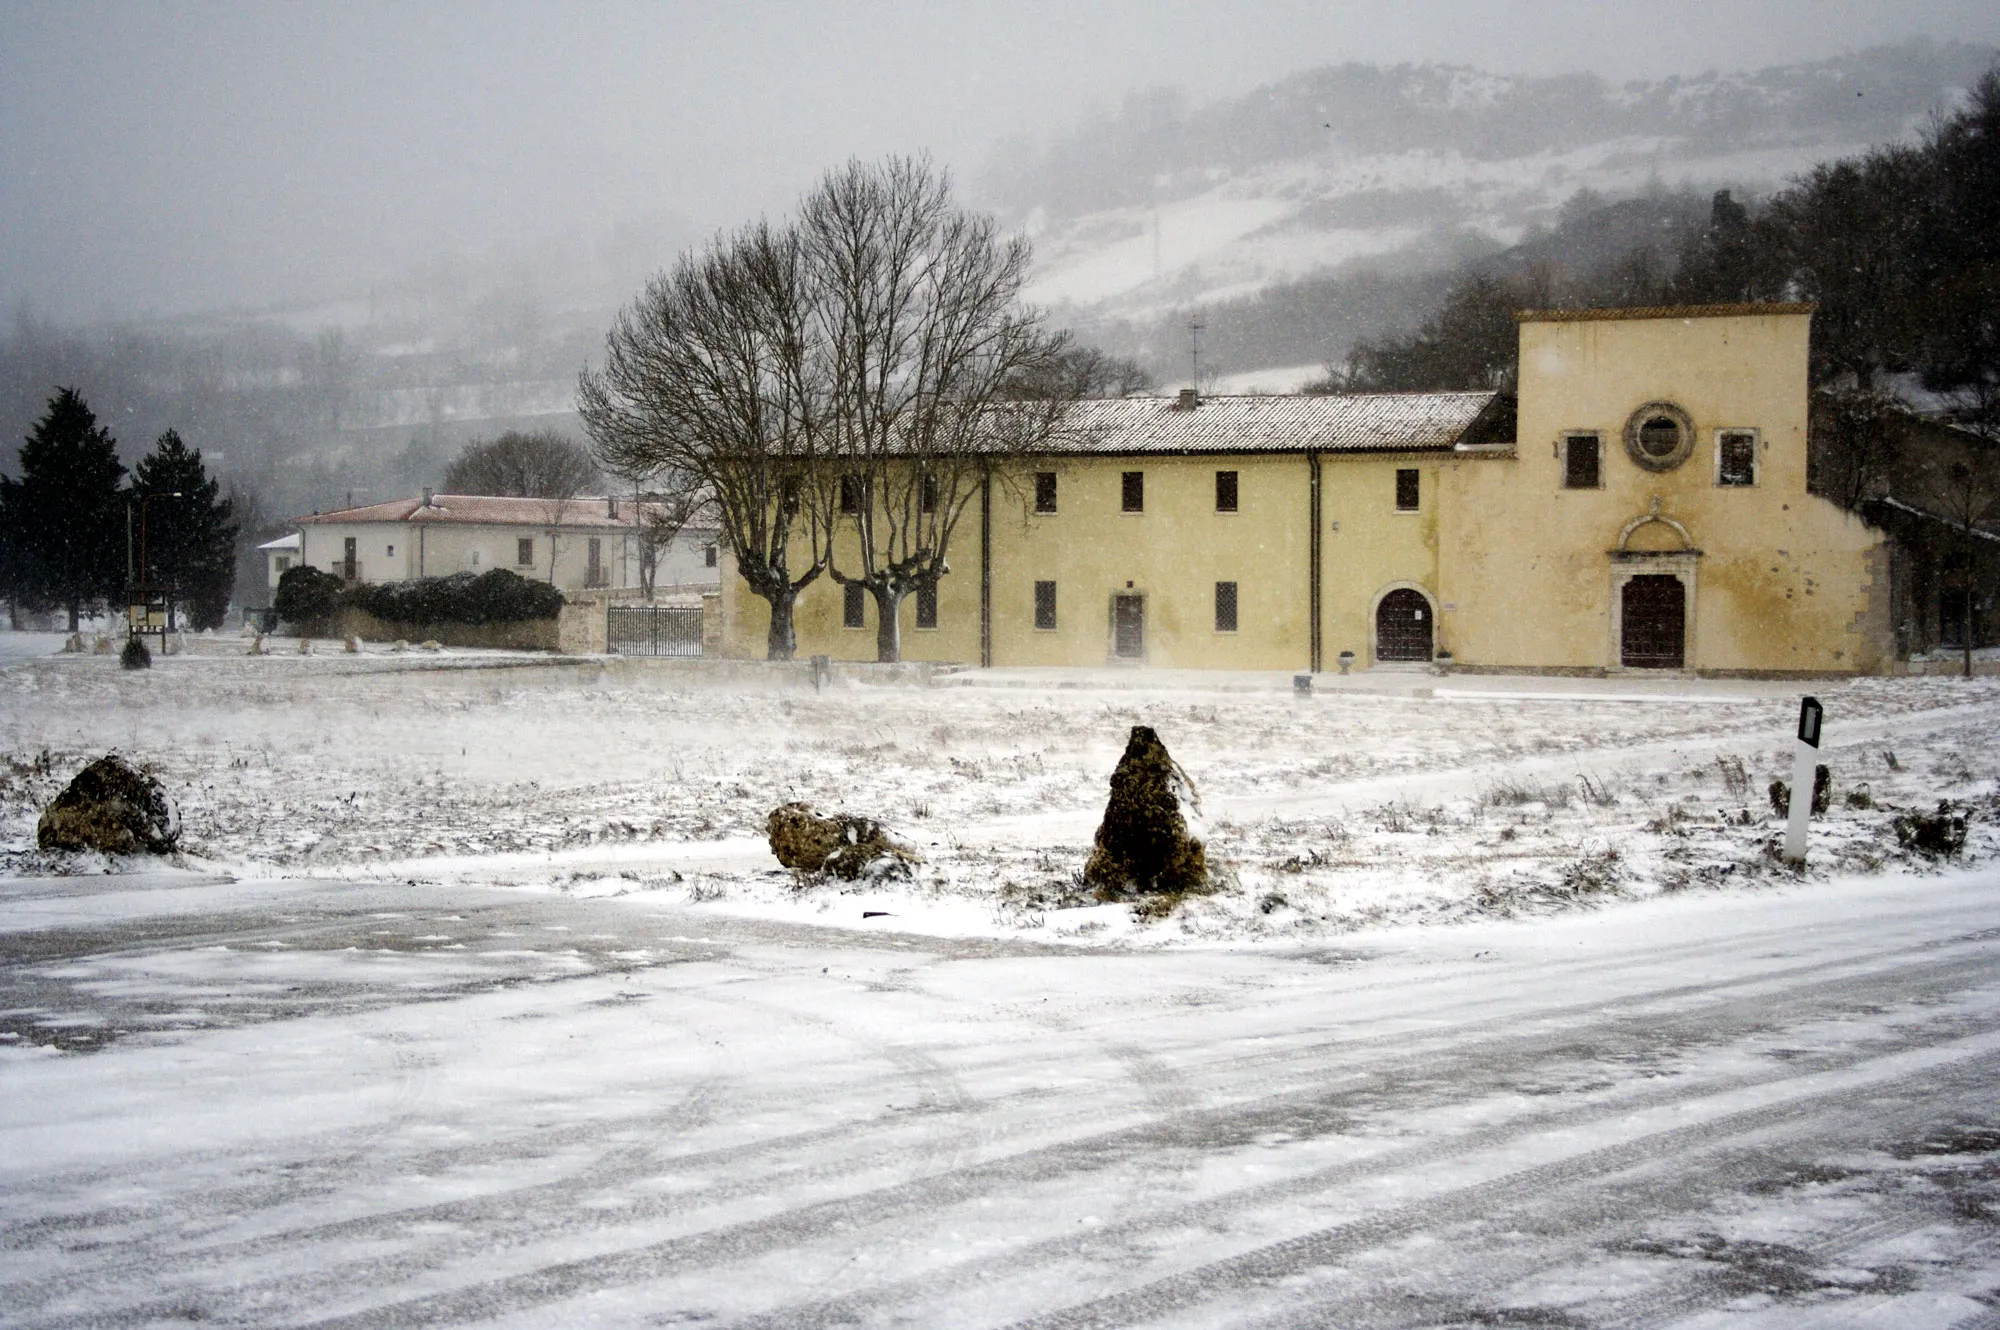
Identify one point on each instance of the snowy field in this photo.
(477, 999)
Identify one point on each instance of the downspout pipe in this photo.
(1313, 555)
(986, 568)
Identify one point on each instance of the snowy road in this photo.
(340, 1104)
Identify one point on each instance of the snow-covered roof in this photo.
(585, 511)
(1347, 422)
(1616, 314)
(283, 543)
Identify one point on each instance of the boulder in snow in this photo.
(844, 845)
(1150, 839)
(112, 807)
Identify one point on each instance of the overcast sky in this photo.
(170, 158)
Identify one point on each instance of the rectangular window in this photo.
(1225, 607)
(1407, 490)
(392, 551)
(850, 494)
(593, 573)
(524, 551)
(1580, 462)
(1045, 606)
(1736, 458)
(927, 494)
(284, 563)
(708, 557)
(1045, 491)
(853, 606)
(926, 607)
(1225, 491)
(1134, 492)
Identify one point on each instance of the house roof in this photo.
(1661, 312)
(1350, 422)
(592, 512)
(283, 543)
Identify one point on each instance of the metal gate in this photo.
(1403, 626)
(654, 630)
(1653, 618)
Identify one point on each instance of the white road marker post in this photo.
(1803, 753)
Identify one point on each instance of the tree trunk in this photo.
(1968, 621)
(782, 642)
(75, 613)
(888, 626)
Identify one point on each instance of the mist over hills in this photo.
(1333, 205)
(1327, 206)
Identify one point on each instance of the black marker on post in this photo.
(1803, 753)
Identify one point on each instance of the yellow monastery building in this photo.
(1644, 509)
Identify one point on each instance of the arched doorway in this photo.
(1403, 626)
(1653, 620)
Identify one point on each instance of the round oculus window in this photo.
(1659, 436)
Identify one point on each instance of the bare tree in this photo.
(539, 465)
(1965, 491)
(662, 506)
(715, 372)
(917, 308)
(1849, 451)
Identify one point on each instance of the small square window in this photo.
(392, 551)
(926, 607)
(1736, 458)
(1225, 607)
(284, 563)
(1580, 462)
(1225, 491)
(1045, 605)
(853, 606)
(1133, 492)
(1408, 489)
(1045, 491)
(524, 550)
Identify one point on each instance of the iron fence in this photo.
(654, 630)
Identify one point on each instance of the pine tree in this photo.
(64, 516)
(190, 540)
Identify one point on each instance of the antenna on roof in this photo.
(1195, 326)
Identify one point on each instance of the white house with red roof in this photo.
(578, 545)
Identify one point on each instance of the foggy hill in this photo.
(1326, 206)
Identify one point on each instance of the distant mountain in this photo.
(1365, 184)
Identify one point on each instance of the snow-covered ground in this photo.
(478, 1000)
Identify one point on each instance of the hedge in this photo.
(497, 596)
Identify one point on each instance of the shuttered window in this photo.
(926, 607)
(1225, 607)
(1045, 605)
(853, 606)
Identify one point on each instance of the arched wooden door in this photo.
(1653, 623)
(1403, 626)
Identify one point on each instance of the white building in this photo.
(582, 544)
(279, 556)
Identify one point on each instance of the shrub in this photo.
(496, 596)
(307, 598)
(135, 656)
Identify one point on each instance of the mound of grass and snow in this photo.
(1326, 815)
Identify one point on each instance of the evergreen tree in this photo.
(64, 516)
(190, 541)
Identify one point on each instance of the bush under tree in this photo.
(495, 596)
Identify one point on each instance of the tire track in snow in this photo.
(1189, 1132)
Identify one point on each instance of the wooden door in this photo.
(1403, 626)
(1653, 616)
(1128, 626)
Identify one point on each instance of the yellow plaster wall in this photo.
(1371, 548)
(1786, 581)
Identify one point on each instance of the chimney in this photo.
(428, 496)
(1189, 400)
(611, 506)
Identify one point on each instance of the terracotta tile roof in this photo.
(586, 511)
(1350, 422)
